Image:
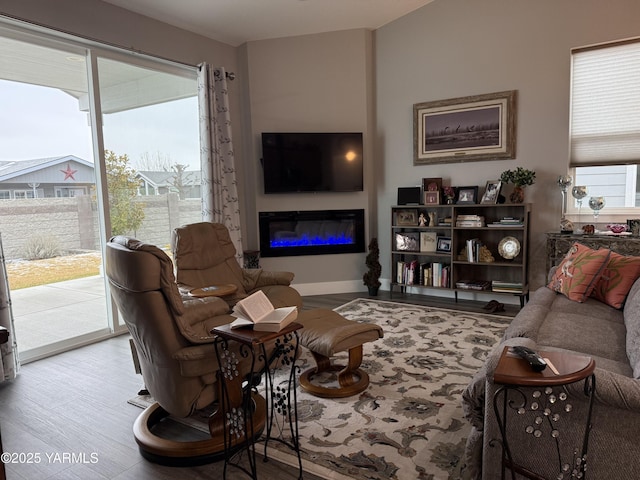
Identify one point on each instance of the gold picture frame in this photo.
(474, 128)
(408, 217)
(432, 198)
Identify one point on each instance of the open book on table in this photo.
(257, 311)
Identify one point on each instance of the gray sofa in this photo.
(552, 322)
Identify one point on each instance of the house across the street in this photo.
(71, 176)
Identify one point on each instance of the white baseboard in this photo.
(326, 288)
(350, 286)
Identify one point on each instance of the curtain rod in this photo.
(231, 76)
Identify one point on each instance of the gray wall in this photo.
(318, 83)
(455, 48)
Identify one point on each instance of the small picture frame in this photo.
(443, 245)
(633, 226)
(407, 217)
(408, 242)
(428, 241)
(467, 195)
(491, 192)
(432, 184)
(432, 197)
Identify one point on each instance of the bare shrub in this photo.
(41, 246)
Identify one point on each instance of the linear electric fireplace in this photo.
(314, 232)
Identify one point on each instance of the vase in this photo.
(373, 291)
(517, 196)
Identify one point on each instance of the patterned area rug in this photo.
(408, 424)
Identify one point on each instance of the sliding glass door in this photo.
(94, 143)
(151, 150)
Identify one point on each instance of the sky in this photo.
(40, 122)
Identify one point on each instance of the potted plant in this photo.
(372, 277)
(520, 177)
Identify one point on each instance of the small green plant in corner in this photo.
(372, 277)
(520, 177)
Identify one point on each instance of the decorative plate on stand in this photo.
(509, 248)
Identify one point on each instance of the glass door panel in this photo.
(152, 149)
(47, 207)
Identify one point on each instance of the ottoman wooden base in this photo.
(325, 333)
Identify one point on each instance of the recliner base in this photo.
(175, 453)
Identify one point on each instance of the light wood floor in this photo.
(69, 415)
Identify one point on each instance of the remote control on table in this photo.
(536, 361)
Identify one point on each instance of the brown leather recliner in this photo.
(204, 255)
(173, 343)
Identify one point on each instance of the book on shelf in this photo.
(411, 273)
(473, 284)
(470, 221)
(258, 312)
(473, 250)
(507, 222)
(506, 287)
(400, 271)
(425, 274)
(428, 241)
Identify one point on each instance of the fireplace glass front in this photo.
(315, 232)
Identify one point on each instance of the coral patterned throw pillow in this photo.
(579, 271)
(617, 279)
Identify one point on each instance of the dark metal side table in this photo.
(544, 411)
(243, 413)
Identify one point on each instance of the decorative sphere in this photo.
(596, 203)
(579, 192)
(564, 181)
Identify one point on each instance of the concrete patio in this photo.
(51, 313)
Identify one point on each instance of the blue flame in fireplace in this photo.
(311, 241)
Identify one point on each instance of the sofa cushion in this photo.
(579, 271)
(617, 277)
(588, 335)
(632, 322)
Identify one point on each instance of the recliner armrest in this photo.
(253, 278)
(200, 316)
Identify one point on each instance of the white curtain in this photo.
(219, 187)
(9, 363)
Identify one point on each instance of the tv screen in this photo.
(312, 162)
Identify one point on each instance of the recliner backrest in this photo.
(148, 307)
(205, 255)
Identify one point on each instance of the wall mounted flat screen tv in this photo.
(312, 162)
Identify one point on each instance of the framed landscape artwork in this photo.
(480, 127)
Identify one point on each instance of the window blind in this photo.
(605, 105)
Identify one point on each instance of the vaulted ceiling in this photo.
(238, 21)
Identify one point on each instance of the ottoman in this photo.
(325, 333)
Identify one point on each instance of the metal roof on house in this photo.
(14, 168)
(162, 179)
(10, 169)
